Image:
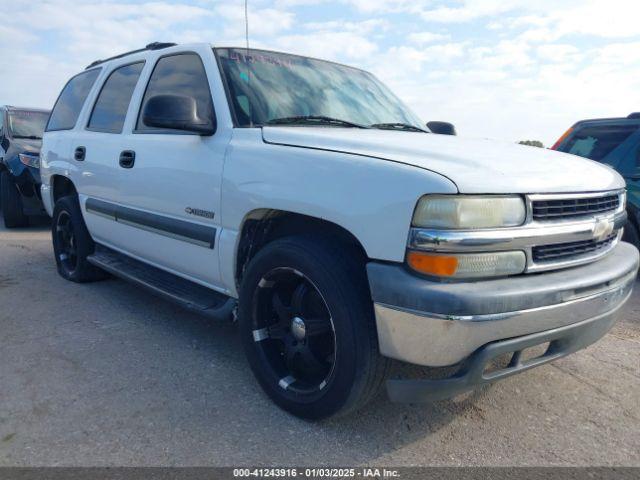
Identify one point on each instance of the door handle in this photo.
(80, 153)
(127, 158)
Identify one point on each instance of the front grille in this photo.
(562, 251)
(573, 207)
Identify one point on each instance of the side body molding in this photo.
(195, 233)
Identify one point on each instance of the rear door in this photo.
(97, 147)
(170, 181)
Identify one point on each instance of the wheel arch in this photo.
(262, 226)
(61, 186)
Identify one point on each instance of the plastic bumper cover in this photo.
(473, 322)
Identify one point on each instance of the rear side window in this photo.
(599, 141)
(181, 74)
(67, 108)
(112, 104)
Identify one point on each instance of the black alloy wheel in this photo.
(67, 251)
(308, 328)
(294, 331)
(72, 243)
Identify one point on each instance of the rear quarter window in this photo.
(596, 142)
(69, 104)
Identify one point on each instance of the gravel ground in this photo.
(103, 374)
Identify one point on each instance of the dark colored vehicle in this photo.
(21, 132)
(616, 143)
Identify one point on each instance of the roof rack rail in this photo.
(151, 46)
(634, 115)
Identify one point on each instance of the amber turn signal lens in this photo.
(440, 265)
(468, 265)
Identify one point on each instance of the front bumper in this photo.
(479, 369)
(435, 323)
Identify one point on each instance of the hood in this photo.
(23, 145)
(474, 165)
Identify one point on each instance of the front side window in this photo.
(266, 86)
(112, 104)
(181, 74)
(27, 123)
(597, 142)
(67, 108)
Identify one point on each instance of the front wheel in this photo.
(307, 326)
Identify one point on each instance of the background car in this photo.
(21, 132)
(614, 142)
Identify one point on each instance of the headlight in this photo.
(30, 159)
(469, 211)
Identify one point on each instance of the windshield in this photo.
(597, 142)
(27, 123)
(265, 87)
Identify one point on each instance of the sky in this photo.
(504, 69)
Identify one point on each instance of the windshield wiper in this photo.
(313, 119)
(28, 137)
(398, 126)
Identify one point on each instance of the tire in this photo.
(11, 201)
(72, 243)
(355, 367)
(631, 234)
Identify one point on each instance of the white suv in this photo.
(304, 199)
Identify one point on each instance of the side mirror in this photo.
(176, 112)
(442, 128)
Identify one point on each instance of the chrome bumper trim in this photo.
(481, 368)
(438, 340)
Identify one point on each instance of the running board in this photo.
(190, 295)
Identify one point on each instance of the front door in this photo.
(170, 180)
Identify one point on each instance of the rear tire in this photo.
(321, 363)
(72, 243)
(11, 202)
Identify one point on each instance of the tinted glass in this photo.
(111, 107)
(181, 74)
(264, 86)
(599, 141)
(27, 123)
(66, 110)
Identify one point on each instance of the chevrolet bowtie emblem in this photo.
(602, 228)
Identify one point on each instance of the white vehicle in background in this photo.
(307, 196)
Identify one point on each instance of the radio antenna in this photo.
(246, 23)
